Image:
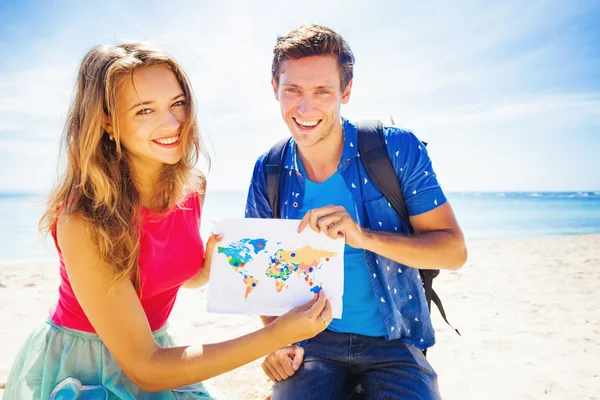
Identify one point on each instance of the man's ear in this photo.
(275, 89)
(346, 94)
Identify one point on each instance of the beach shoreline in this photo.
(526, 309)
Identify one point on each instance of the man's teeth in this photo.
(306, 123)
(170, 140)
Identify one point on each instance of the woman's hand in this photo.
(305, 321)
(208, 255)
(203, 275)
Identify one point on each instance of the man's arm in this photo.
(438, 242)
(257, 201)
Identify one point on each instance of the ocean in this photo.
(481, 215)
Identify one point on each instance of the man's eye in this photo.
(291, 90)
(322, 92)
(144, 111)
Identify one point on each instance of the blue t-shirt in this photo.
(397, 288)
(360, 311)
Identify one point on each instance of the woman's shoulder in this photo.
(76, 240)
(70, 226)
(192, 197)
(197, 188)
(73, 221)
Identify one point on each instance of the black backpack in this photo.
(374, 156)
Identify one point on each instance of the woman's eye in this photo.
(144, 111)
(180, 103)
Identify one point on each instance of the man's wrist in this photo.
(368, 239)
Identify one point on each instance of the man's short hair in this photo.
(313, 40)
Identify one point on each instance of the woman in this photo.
(125, 221)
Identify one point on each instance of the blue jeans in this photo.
(335, 362)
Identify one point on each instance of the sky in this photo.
(507, 94)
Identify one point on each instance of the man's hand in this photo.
(283, 363)
(336, 223)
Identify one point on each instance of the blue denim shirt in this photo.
(398, 288)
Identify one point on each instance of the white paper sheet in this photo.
(265, 267)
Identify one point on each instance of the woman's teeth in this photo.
(169, 140)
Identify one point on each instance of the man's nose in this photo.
(306, 105)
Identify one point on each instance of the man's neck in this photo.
(321, 161)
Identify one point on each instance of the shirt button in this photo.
(295, 204)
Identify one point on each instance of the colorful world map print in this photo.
(303, 262)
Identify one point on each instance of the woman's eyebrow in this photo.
(144, 103)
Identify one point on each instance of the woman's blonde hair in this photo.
(98, 181)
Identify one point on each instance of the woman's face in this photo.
(151, 109)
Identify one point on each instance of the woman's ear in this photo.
(108, 127)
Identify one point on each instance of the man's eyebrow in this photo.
(144, 103)
(315, 87)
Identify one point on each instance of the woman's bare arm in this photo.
(120, 321)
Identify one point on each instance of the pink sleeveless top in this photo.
(171, 252)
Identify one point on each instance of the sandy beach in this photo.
(527, 310)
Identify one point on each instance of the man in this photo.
(385, 321)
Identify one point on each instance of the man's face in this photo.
(310, 97)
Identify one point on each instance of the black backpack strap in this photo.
(438, 302)
(273, 168)
(374, 156)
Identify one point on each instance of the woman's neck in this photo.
(146, 183)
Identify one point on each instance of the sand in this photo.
(528, 311)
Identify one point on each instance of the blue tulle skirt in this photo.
(58, 363)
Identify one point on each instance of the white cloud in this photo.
(467, 71)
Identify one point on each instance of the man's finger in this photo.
(315, 215)
(320, 213)
(267, 369)
(298, 357)
(274, 373)
(338, 230)
(330, 219)
(326, 222)
(279, 371)
(287, 365)
(305, 220)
